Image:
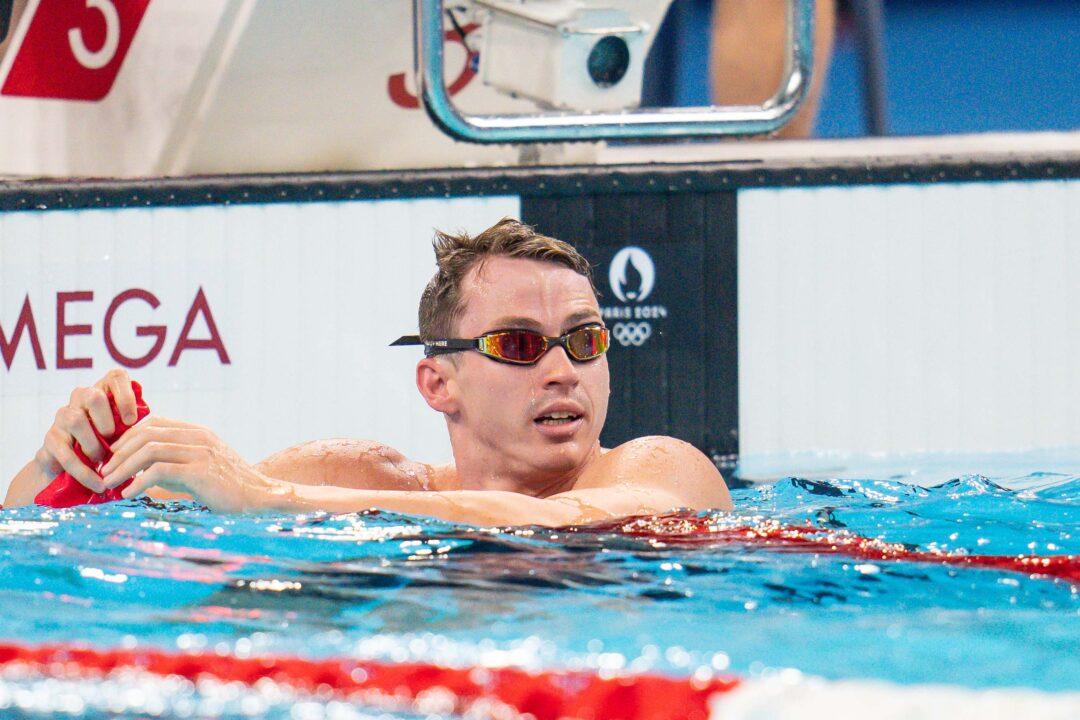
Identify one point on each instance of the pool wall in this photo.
(906, 318)
(897, 305)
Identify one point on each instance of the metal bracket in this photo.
(709, 121)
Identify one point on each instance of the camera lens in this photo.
(609, 60)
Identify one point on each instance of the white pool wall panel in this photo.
(897, 319)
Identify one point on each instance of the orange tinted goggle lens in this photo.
(587, 343)
(517, 346)
(523, 346)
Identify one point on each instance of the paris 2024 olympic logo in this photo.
(632, 278)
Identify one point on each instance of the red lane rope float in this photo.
(549, 695)
(691, 529)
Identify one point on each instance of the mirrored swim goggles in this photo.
(520, 347)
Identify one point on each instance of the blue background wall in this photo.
(952, 66)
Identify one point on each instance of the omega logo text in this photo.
(116, 335)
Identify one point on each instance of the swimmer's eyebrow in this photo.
(516, 322)
(577, 319)
(581, 317)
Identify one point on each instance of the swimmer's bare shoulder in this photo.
(656, 473)
(350, 463)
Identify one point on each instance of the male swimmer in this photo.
(514, 360)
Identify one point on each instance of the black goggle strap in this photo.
(438, 347)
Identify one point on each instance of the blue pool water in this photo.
(394, 587)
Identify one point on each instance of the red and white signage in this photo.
(128, 88)
(73, 49)
(104, 87)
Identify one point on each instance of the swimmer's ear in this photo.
(434, 380)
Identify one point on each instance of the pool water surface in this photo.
(698, 594)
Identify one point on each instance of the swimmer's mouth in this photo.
(557, 418)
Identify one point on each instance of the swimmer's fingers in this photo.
(214, 478)
(156, 429)
(74, 423)
(146, 455)
(170, 476)
(118, 384)
(57, 450)
(94, 404)
(183, 458)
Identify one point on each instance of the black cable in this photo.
(457, 28)
(869, 32)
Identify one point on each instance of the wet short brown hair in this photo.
(441, 305)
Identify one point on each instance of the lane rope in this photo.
(548, 695)
(692, 529)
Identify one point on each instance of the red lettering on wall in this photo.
(25, 323)
(399, 93)
(63, 330)
(214, 342)
(155, 331)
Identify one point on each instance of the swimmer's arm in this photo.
(658, 472)
(169, 456)
(348, 463)
(26, 485)
(473, 507)
(643, 477)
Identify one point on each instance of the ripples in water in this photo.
(699, 589)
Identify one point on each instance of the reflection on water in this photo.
(674, 594)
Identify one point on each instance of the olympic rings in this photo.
(632, 333)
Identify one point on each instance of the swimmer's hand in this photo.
(87, 408)
(184, 458)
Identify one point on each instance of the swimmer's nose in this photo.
(558, 368)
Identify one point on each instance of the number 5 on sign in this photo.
(72, 49)
(91, 59)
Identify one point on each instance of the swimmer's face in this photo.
(505, 411)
